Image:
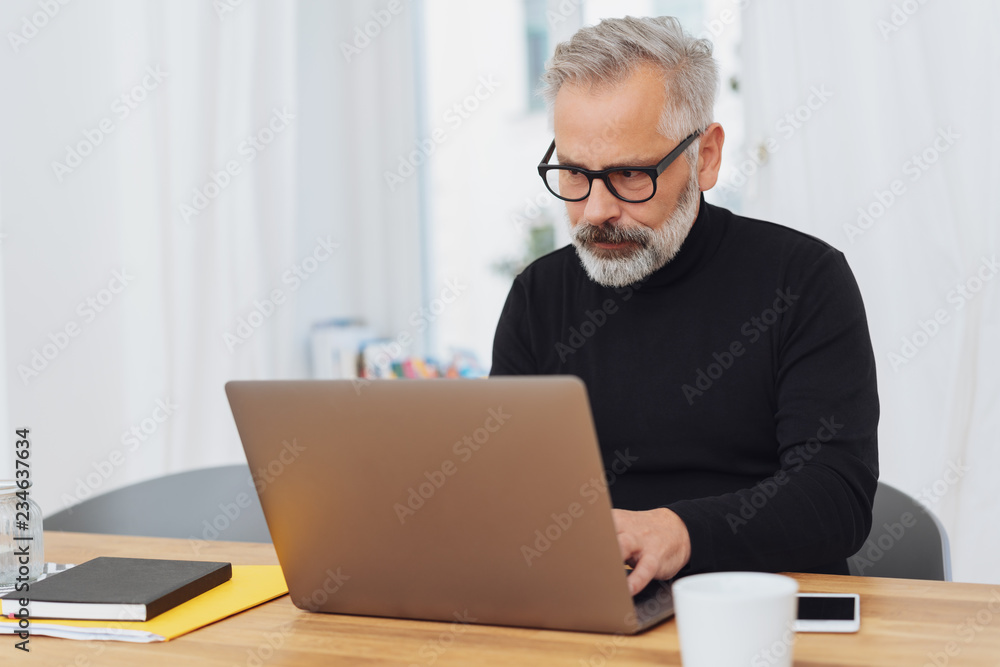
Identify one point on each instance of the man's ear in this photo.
(710, 156)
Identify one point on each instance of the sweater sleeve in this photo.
(512, 342)
(817, 507)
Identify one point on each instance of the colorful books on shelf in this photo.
(345, 348)
(336, 348)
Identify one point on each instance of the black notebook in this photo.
(119, 589)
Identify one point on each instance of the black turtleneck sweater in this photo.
(734, 386)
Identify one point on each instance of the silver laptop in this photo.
(477, 501)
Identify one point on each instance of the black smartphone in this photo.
(828, 612)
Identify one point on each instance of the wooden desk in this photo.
(903, 622)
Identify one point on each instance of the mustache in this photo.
(608, 233)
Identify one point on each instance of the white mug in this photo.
(736, 619)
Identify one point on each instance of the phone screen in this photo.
(826, 609)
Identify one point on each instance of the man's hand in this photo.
(655, 543)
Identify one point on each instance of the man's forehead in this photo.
(597, 158)
(609, 123)
(609, 126)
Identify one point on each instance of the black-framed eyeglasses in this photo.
(631, 184)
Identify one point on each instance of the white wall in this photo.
(156, 98)
(190, 279)
(893, 112)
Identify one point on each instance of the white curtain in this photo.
(220, 188)
(876, 124)
(118, 297)
(359, 92)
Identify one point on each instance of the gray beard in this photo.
(618, 268)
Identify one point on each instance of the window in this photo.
(537, 36)
(489, 213)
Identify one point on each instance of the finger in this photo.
(641, 575)
(629, 545)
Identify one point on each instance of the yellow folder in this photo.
(250, 586)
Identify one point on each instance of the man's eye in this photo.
(628, 173)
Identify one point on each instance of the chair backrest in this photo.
(208, 504)
(906, 541)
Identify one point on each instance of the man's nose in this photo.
(601, 204)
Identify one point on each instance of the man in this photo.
(727, 360)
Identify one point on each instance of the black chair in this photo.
(208, 504)
(906, 541)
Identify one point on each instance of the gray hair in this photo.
(608, 53)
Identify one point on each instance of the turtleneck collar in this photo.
(700, 244)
